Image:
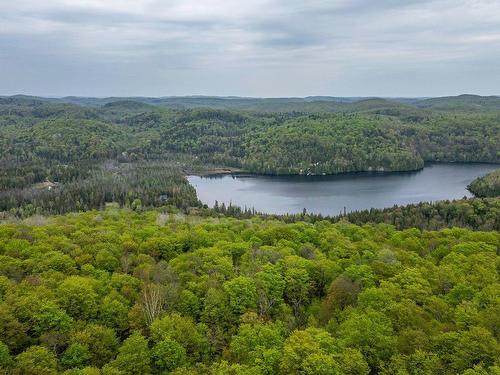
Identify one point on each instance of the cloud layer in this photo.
(252, 48)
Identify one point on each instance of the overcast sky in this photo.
(249, 47)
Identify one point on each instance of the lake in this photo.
(329, 195)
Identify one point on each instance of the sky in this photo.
(260, 48)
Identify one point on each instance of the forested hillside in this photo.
(462, 103)
(471, 213)
(486, 186)
(54, 154)
(119, 292)
(477, 214)
(186, 289)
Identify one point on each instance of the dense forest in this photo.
(486, 186)
(471, 213)
(121, 292)
(459, 104)
(153, 282)
(58, 156)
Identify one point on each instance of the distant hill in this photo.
(76, 146)
(462, 103)
(406, 107)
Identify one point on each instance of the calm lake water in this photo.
(329, 195)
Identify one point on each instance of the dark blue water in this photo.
(329, 195)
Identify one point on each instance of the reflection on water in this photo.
(329, 195)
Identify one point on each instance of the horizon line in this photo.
(200, 96)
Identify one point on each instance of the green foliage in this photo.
(330, 145)
(59, 157)
(134, 356)
(5, 358)
(78, 297)
(100, 341)
(113, 313)
(475, 213)
(245, 296)
(353, 363)
(259, 345)
(181, 329)
(37, 360)
(309, 352)
(168, 354)
(76, 355)
(486, 186)
(371, 333)
(478, 214)
(242, 293)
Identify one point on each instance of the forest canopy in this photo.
(57, 156)
(486, 186)
(120, 292)
(153, 282)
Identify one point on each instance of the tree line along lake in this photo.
(330, 195)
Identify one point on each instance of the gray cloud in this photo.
(255, 48)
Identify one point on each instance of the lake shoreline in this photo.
(331, 194)
(218, 172)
